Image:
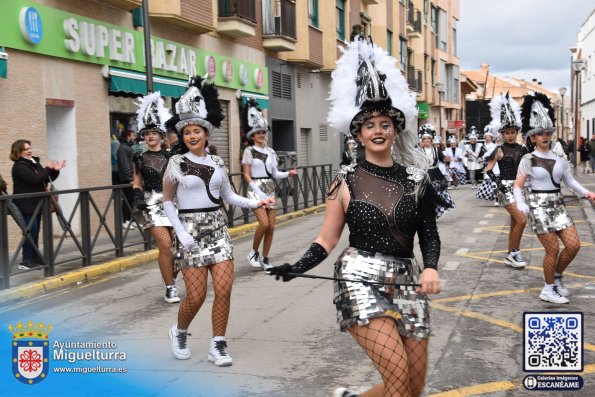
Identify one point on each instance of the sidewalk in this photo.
(24, 287)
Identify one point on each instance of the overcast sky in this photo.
(524, 39)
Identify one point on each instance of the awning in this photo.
(126, 81)
(3, 63)
(261, 100)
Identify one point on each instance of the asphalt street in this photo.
(283, 336)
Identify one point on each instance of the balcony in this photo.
(413, 21)
(279, 32)
(310, 53)
(236, 18)
(371, 1)
(126, 5)
(187, 14)
(414, 79)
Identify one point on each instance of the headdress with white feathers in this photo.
(367, 83)
(505, 112)
(151, 113)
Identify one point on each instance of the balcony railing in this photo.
(91, 231)
(414, 79)
(282, 24)
(239, 9)
(413, 19)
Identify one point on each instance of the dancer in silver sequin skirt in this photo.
(260, 169)
(544, 169)
(385, 203)
(198, 181)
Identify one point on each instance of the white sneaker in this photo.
(515, 259)
(559, 286)
(254, 258)
(549, 294)
(218, 353)
(178, 343)
(265, 264)
(171, 294)
(128, 225)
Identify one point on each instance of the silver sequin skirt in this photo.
(506, 198)
(213, 243)
(358, 302)
(154, 215)
(267, 186)
(547, 212)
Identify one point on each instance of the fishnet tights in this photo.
(266, 226)
(518, 220)
(556, 261)
(163, 239)
(401, 361)
(196, 292)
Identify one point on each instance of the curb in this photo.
(117, 265)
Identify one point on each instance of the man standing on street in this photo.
(125, 174)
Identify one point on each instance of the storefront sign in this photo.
(453, 124)
(36, 28)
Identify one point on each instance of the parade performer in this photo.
(506, 119)
(197, 181)
(384, 204)
(474, 153)
(454, 156)
(149, 167)
(435, 158)
(488, 187)
(259, 166)
(548, 218)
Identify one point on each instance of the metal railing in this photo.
(414, 79)
(240, 9)
(91, 230)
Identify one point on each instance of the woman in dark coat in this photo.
(29, 176)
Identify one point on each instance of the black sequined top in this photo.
(388, 206)
(509, 163)
(152, 165)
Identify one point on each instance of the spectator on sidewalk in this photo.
(114, 145)
(592, 154)
(385, 202)
(29, 176)
(260, 169)
(125, 157)
(197, 181)
(584, 151)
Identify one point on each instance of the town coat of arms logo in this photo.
(30, 351)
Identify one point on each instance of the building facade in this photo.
(584, 78)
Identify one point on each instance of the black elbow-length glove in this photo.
(313, 257)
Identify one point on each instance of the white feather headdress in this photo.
(344, 90)
(505, 112)
(152, 113)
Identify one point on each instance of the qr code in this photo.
(553, 342)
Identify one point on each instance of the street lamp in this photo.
(440, 87)
(562, 93)
(577, 66)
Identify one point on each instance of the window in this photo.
(340, 19)
(389, 42)
(441, 38)
(433, 26)
(403, 53)
(281, 85)
(454, 40)
(433, 72)
(426, 10)
(313, 12)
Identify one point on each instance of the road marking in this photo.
(476, 315)
(488, 216)
(461, 251)
(450, 266)
(483, 223)
(471, 240)
(477, 230)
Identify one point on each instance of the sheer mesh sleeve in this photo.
(170, 183)
(427, 232)
(247, 157)
(525, 166)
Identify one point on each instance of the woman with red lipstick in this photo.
(545, 169)
(149, 167)
(385, 201)
(197, 181)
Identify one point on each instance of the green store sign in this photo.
(32, 27)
